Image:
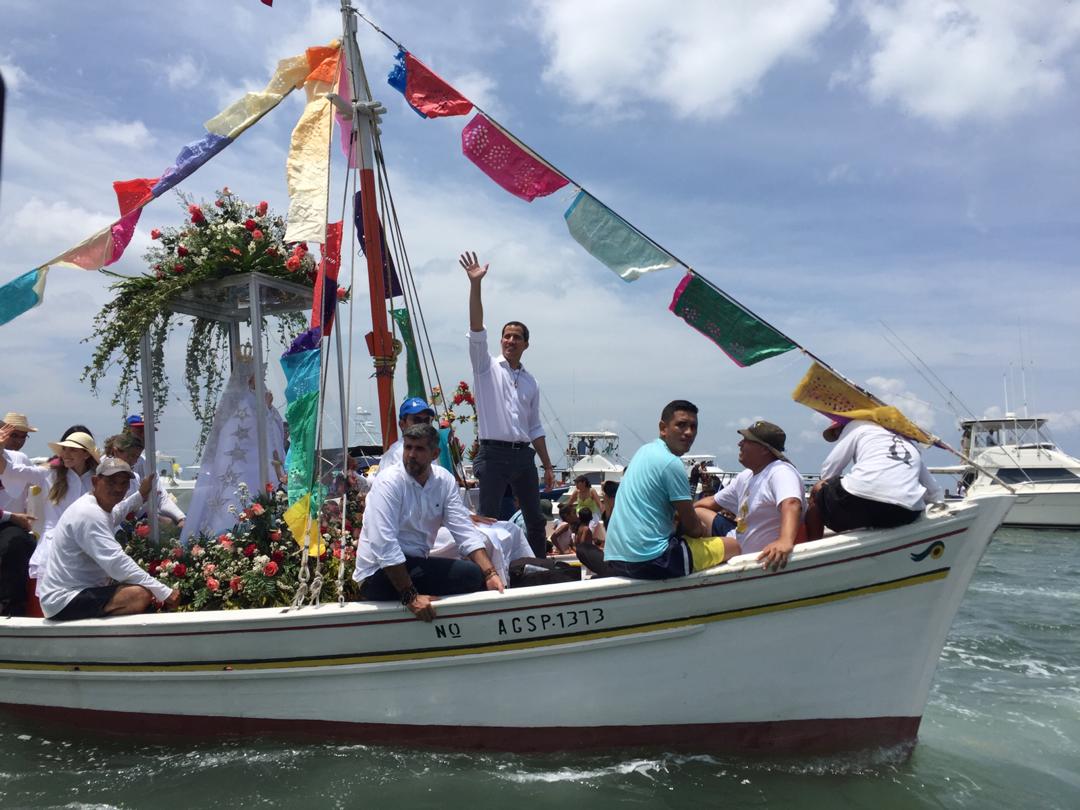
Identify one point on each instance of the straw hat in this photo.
(19, 422)
(80, 441)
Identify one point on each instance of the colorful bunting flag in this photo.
(827, 393)
(504, 160)
(326, 281)
(132, 194)
(426, 91)
(391, 282)
(22, 294)
(413, 374)
(345, 125)
(121, 232)
(611, 240)
(302, 364)
(744, 338)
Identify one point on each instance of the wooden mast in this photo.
(379, 340)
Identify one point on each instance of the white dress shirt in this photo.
(13, 499)
(507, 399)
(392, 456)
(402, 518)
(85, 554)
(885, 467)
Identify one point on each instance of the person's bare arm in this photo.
(540, 445)
(775, 555)
(689, 523)
(421, 605)
(708, 502)
(492, 580)
(476, 275)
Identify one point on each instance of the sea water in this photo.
(1002, 729)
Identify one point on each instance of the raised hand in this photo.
(472, 267)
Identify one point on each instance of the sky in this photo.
(864, 175)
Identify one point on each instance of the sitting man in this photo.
(406, 506)
(87, 574)
(766, 498)
(654, 499)
(887, 485)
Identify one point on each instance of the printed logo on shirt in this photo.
(894, 451)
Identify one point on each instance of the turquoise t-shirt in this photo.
(643, 519)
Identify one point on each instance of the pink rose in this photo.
(236, 584)
(262, 208)
(142, 531)
(270, 568)
(256, 234)
(209, 568)
(212, 584)
(292, 263)
(177, 552)
(219, 203)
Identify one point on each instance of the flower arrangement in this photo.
(226, 237)
(462, 396)
(254, 564)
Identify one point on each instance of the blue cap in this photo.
(414, 405)
(134, 419)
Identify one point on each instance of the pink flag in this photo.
(122, 231)
(505, 162)
(345, 125)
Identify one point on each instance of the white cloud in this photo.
(183, 73)
(895, 392)
(36, 224)
(701, 61)
(14, 76)
(479, 88)
(131, 134)
(948, 60)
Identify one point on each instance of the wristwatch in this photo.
(408, 595)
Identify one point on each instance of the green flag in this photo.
(412, 359)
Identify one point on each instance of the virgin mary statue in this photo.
(231, 456)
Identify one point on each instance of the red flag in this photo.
(267, 2)
(326, 286)
(130, 194)
(429, 94)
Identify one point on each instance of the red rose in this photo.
(223, 538)
(152, 569)
(235, 251)
(271, 251)
(269, 487)
(257, 509)
(236, 584)
(277, 556)
(178, 268)
(129, 516)
(155, 234)
(250, 549)
(244, 515)
(219, 203)
(270, 568)
(177, 553)
(181, 250)
(250, 224)
(179, 570)
(256, 234)
(274, 535)
(142, 531)
(292, 263)
(212, 584)
(342, 293)
(262, 208)
(159, 274)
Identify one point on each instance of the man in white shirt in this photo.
(887, 486)
(407, 505)
(16, 541)
(766, 498)
(508, 417)
(87, 574)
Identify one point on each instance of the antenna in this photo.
(1005, 384)
(1023, 372)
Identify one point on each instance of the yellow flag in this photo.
(829, 394)
(304, 527)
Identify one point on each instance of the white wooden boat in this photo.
(834, 652)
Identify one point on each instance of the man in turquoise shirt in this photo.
(654, 506)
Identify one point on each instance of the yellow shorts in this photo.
(705, 552)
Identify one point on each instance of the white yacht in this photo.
(594, 454)
(1019, 451)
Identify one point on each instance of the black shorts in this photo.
(842, 511)
(87, 604)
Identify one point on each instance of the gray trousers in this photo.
(495, 467)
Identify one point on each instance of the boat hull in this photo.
(1046, 510)
(837, 651)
